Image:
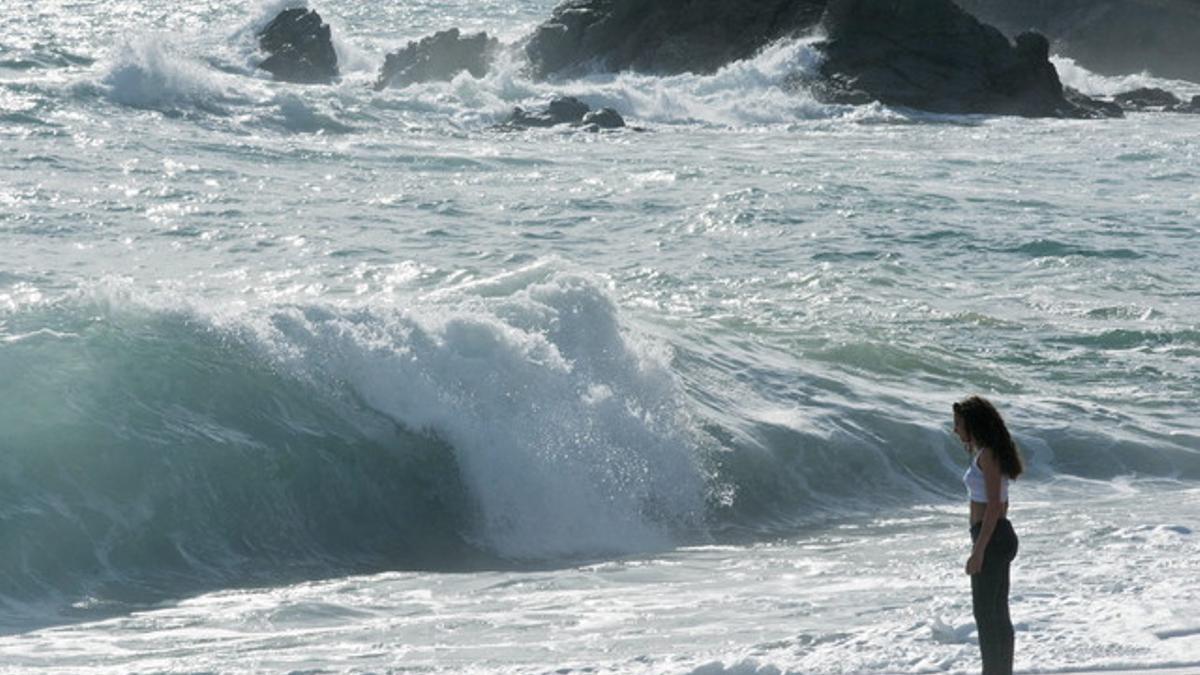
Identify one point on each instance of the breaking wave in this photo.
(153, 444)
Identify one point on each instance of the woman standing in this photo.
(994, 462)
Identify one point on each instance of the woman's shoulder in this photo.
(987, 459)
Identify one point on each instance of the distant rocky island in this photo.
(1110, 37)
(930, 55)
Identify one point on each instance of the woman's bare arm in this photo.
(991, 514)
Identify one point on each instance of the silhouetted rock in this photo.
(1147, 98)
(300, 48)
(439, 57)
(1193, 107)
(565, 110)
(931, 55)
(1096, 107)
(1153, 99)
(1111, 37)
(662, 36)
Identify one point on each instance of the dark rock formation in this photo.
(931, 55)
(439, 57)
(300, 48)
(562, 110)
(662, 36)
(1111, 37)
(1153, 99)
(1147, 98)
(1095, 107)
(565, 110)
(604, 118)
(1193, 107)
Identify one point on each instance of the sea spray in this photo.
(153, 441)
(571, 438)
(1076, 75)
(147, 72)
(151, 72)
(750, 92)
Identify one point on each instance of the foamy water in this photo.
(299, 377)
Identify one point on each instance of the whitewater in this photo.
(323, 379)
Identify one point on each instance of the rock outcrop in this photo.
(439, 57)
(565, 110)
(299, 47)
(1147, 98)
(931, 55)
(1095, 107)
(1111, 37)
(922, 54)
(663, 36)
(1193, 107)
(1153, 99)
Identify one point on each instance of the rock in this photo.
(1110, 37)
(300, 48)
(1193, 107)
(560, 110)
(439, 57)
(663, 36)
(1033, 48)
(1095, 107)
(604, 118)
(1147, 98)
(565, 110)
(931, 55)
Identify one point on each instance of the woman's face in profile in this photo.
(960, 430)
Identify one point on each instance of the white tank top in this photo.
(976, 487)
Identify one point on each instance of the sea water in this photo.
(317, 378)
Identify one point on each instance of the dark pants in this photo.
(989, 595)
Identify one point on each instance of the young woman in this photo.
(994, 462)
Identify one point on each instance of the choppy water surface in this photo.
(319, 377)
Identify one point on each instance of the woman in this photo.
(994, 461)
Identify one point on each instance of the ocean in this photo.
(323, 379)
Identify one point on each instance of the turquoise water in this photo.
(264, 336)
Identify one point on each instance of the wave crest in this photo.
(151, 445)
(146, 73)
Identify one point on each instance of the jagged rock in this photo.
(663, 36)
(1111, 37)
(1096, 107)
(1147, 98)
(931, 55)
(565, 110)
(604, 118)
(300, 48)
(439, 57)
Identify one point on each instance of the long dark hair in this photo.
(986, 428)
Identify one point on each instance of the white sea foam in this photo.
(746, 92)
(1078, 77)
(147, 72)
(883, 595)
(569, 432)
(152, 71)
(754, 91)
